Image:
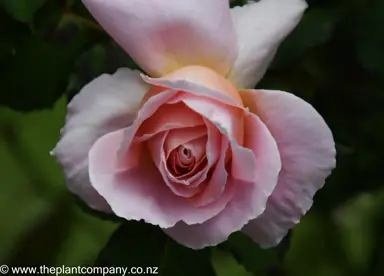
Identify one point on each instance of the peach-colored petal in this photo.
(169, 116)
(181, 136)
(198, 80)
(307, 152)
(162, 36)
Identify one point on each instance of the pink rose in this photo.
(194, 149)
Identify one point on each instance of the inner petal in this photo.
(181, 161)
(185, 156)
(183, 136)
(186, 160)
(167, 117)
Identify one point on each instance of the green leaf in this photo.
(23, 10)
(256, 260)
(137, 244)
(47, 223)
(51, 230)
(315, 28)
(226, 265)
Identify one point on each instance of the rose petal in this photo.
(162, 36)
(195, 180)
(181, 136)
(146, 111)
(308, 156)
(227, 119)
(213, 151)
(169, 116)
(106, 104)
(215, 185)
(197, 147)
(260, 28)
(249, 199)
(201, 82)
(156, 146)
(140, 193)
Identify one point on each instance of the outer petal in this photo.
(249, 200)
(162, 36)
(260, 28)
(106, 104)
(307, 152)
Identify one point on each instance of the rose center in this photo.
(185, 155)
(181, 161)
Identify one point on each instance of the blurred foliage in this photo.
(151, 247)
(334, 59)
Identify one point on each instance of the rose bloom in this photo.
(190, 146)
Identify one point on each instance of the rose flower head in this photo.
(188, 144)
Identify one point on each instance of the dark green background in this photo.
(334, 59)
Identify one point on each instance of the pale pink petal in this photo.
(140, 193)
(243, 163)
(307, 152)
(249, 200)
(260, 28)
(130, 145)
(260, 141)
(145, 112)
(170, 116)
(215, 185)
(106, 104)
(228, 119)
(162, 36)
(213, 144)
(230, 122)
